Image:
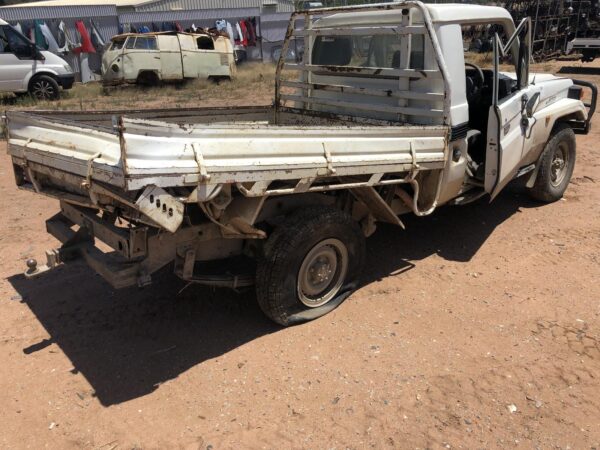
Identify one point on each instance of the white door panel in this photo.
(514, 135)
(508, 125)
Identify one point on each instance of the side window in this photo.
(145, 43)
(205, 43)
(417, 52)
(12, 42)
(130, 42)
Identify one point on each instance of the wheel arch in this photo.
(33, 75)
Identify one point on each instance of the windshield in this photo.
(11, 41)
(117, 44)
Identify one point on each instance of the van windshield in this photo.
(11, 41)
(117, 44)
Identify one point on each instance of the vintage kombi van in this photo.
(152, 57)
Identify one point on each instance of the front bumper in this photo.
(66, 81)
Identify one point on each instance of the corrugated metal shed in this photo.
(105, 16)
(71, 3)
(171, 5)
(57, 12)
(196, 16)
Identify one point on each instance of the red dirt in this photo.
(463, 315)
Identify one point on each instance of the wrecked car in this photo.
(383, 117)
(150, 58)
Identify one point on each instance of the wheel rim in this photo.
(322, 272)
(43, 89)
(559, 164)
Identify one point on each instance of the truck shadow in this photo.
(126, 343)
(580, 70)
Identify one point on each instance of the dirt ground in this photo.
(477, 327)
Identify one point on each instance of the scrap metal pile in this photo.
(556, 22)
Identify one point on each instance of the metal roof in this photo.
(164, 5)
(12, 13)
(74, 4)
(187, 15)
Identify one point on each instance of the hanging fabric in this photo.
(155, 27)
(178, 27)
(230, 33)
(97, 40)
(86, 42)
(38, 36)
(65, 42)
(18, 27)
(143, 29)
(250, 33)
(244, 33)
(220, 24)
(239, 38)
(52, 44)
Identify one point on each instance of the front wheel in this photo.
(556, 165)
(310, 265)
(44, 87)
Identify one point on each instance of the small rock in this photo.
(538, 404)
(468, 422)
(335, 401)
(512, 408)
(17, 298)
(52, 425)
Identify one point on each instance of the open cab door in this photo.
(508, 123)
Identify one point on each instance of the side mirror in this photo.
(532, 104)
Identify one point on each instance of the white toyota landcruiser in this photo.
(382, 117)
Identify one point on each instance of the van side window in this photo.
(205, 43)
(12, 42)
(130, 42)
(145, 43)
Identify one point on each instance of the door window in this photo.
(145, 43)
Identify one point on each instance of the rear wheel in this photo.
(311, 264)
(556, 165)
(44, 87)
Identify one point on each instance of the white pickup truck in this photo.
(382, 117)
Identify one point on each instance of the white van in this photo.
(153, 57)
(25, 68)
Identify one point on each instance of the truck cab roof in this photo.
(444, 13)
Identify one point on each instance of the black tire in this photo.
(313, 234)
(555, 171)
(44, 87)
